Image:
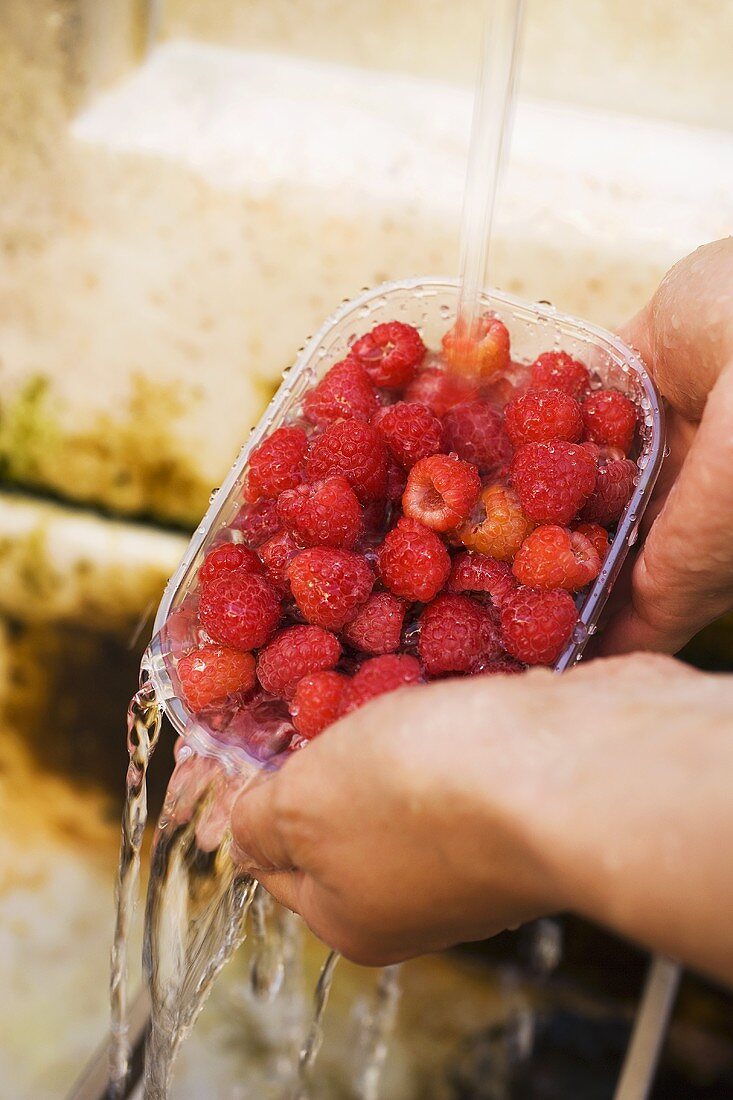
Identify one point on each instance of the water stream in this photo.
(143, 729)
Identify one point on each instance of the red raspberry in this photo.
(553, 557)
(475, 431)
(396, 484)
(482, 351)
(456, 635)
(295, 652)
(326, 513)
(278, 463)
(354, 450)
(537, 624)
(601, 455)
(377, 626)
(329, 585)
(227, 558)
(240, 610)
(503, 528)
(379, 675)
(411, 431)
(440, 390)
(614, 486)
(317, 702)
(441, 492)
(472, 572)
(413, 562)
(344, 392)
(542, 416)
(257, 522)
(610, 419)
(556, 370)
(595, 534)
(503, 665)
(553, 480)
(211, 673)
(390, 353)
(277, 554)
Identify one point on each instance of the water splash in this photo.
(377, 1025)
(268, 959)
(314, 1038)
(143, 729)
(197, 906)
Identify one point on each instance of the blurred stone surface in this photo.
(69, 567)
(642, 56)
(168, 244)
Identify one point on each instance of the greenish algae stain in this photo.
(131, 463)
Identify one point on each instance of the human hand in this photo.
(683, 576)
(393, 833)
(448, 812)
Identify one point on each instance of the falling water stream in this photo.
(143, 729)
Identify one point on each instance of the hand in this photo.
(683, 577)
(446, 813)
(397, 831)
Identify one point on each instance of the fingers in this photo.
(685, 333)
(683, 578)
(259, 839)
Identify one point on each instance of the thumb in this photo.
(259, 840)
(683, 577)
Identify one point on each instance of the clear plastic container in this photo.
(430, 305)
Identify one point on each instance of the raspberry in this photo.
(344, 392)
(379, 675)
(377, 626)
(240, 610)
(227, 558)
(354, 450)
(504, 665)
(277, 554)
(295, 652)
(614, 486)
(601, 454)
(477, 573)
(326, 513)
(610, 419)
(456, 635)
(441, 491)
(257, 522)
(595, 534)
(553, 480)
(413, 562)
(390, 353)
(556, 370)
(537, 624)
(542, 416)
(317, 702)
(475, 431)
(277, 464)
(329, 585)
(482, 351)
(440, 390)
(503, 527)
(396, 481)
(411, 431)
(211, 673)
(553, 557)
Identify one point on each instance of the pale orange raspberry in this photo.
(504, 527)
